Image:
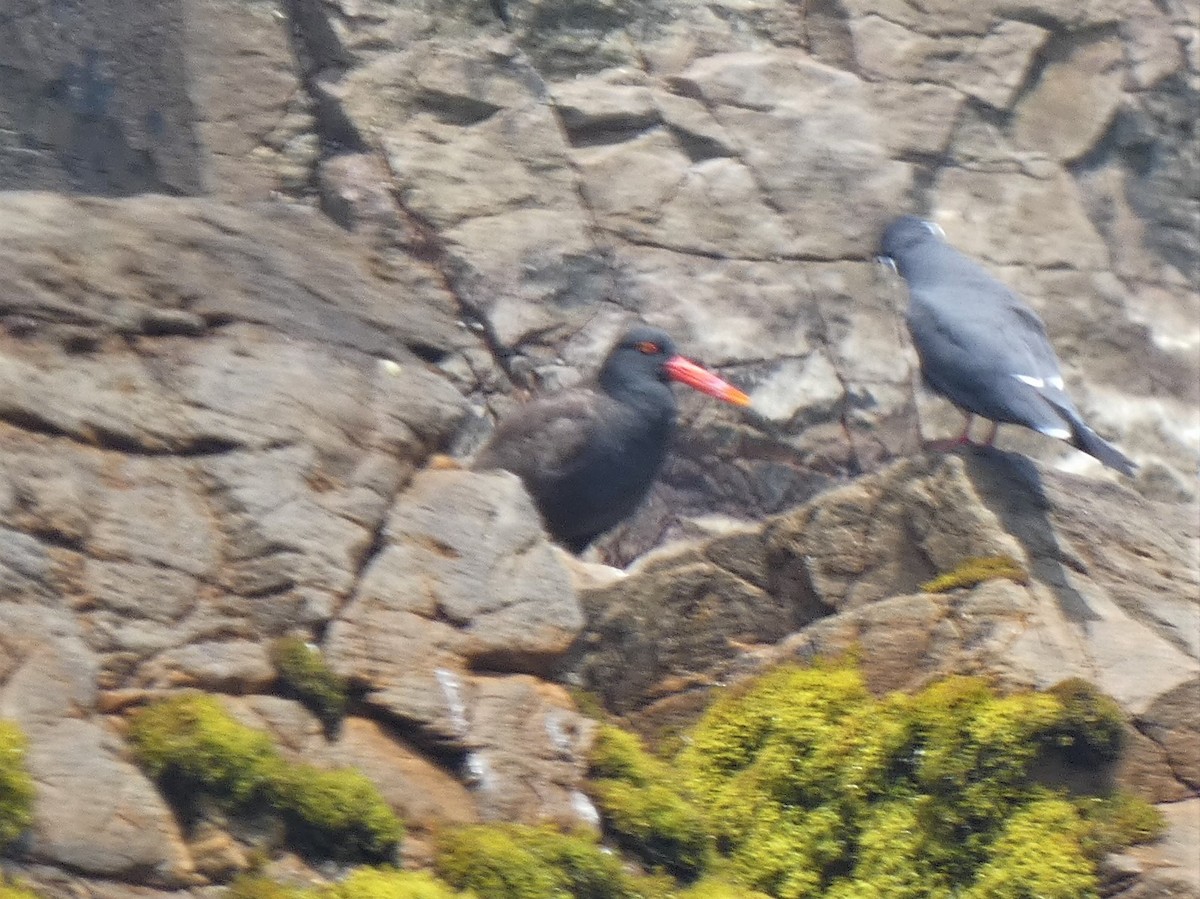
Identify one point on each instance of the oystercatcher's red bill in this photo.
(685, 371)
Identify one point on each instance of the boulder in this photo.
(465, 579)
(122, 829)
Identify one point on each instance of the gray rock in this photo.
(1074, 100)
(102, 266)
(121, 98)
(530, 753)
(990, 67)
(786, 110)
(94, 812)
(465, 578)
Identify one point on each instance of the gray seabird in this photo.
(981, 346)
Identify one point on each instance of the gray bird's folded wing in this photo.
(987, 353)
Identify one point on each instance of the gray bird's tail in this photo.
(1085, 439)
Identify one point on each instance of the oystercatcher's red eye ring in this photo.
(649, 347)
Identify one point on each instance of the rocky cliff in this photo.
(260, 259)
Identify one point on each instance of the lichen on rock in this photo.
(190, 744)
(642, 806)
(304, 674)
(977, 570)
(817, 789)
(16, 786)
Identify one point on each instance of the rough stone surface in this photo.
(466, 579)
(1074, 100)
(95, 813)
(178, 97)
(467, 586)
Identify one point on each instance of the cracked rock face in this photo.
(260, 259)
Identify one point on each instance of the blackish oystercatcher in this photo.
(589, 454)
(981, 346)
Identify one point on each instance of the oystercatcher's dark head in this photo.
(645, 355)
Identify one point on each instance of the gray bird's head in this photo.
(907, 233)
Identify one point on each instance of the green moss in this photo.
(255, 886)
(656, 824)
(16, 786)
(14, 889)
(337, 814)
(190, 744)
(814, 788)
(363, 883)
(618, 755)
(16, 892)
(513, 861)
(303, 674)
(1112, 822)
(1091, 727)
(588, 703)
(377, 883)
(1037, 856)
(646, 814)
(975, 571)
(716, 888)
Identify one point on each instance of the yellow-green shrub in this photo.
(716, 888)
(16, 786)
(1115, 821)
(642, 808)
(189, 743)
(362, 883)
(303, 674)
(13, 889)
(377, 883)
(514, 861)
(255, 886)
(338, 814)
(814, 788)
(1091, 727)
(1037, 856)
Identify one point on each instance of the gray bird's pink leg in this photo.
(963, 439)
